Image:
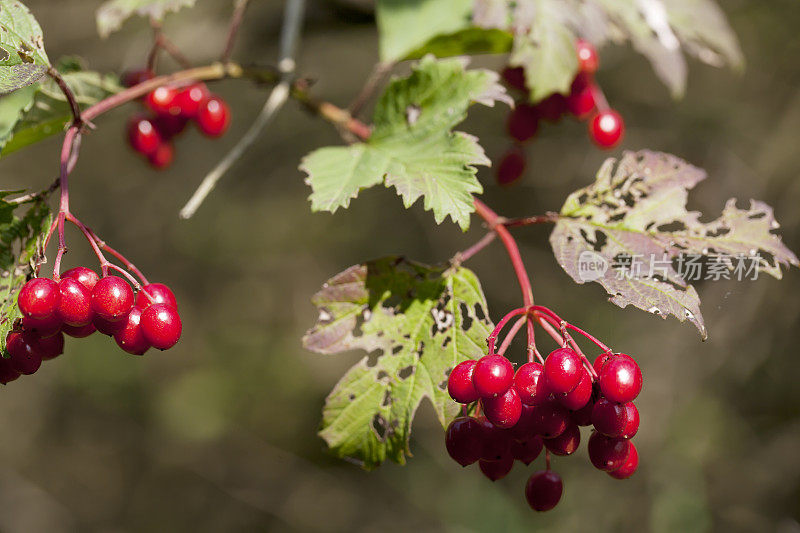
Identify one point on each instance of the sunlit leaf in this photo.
(23, 60)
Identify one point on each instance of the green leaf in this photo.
(113, 13)
(49, 112)
(13, 107)
(406, 26)
(412, 147)
(423, 321)
(546, 53)
(23, 60)
(637, 207)
(21, 238)
(469, 41)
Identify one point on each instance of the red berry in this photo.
(496, 441)
(22, 356)
(543, 490)
(525, 428)
(79, 333)
(580, 395)
(459, 384)
(523, 122)
(189, 99)
(550, 419)
(86, 276)
(39, 298)
(530, 385)
(135, 77)
(464, 440)
(213, 116)
(566, 443)
(512, 166)
(620, 379)
(562, 370)
(503, 411)
(47, 347)
(43, 327)
(587, 57)
(580, 101)
(143, 135)
(107, 327)
(630, 465)
(162, 157)
(7, 372)
(552, 107)
(493, 375)
(514, 78)
(161, 326)
(609, 418)
(75, 307)
(130, 337)
(160, 293)
(527, 451)
(607, 128)
(607, 453)
(162, 100)
(112, 299)
(499, 469)
(583, 416)
(600, 361)
(169, 126)
(631, 421)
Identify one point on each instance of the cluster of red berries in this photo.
(81, 303)
(543, 406)
(170, 109)
(585, 102)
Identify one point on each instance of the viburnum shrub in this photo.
(429, 327)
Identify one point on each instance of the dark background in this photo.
(219, 433)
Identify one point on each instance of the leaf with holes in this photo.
(20, 245)
(413, 147)
(113, 13)
(48, 112)
(636, 208)
(423, 320)
(23, 60)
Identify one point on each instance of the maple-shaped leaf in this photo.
(23, 60)
(21, 238)
(637, 208)
(412, 146)
(113, 13)
(422, 321)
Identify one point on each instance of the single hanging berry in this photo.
(492, 376)
(620, 379)
(607, 128)
(588, 62)
(112, 299)
(562, 370)
(464, 440)
(543, 490)
(39, 298)
(213, 116)
(161, 326)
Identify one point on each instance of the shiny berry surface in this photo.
(607, 453)
(86, 276)
(580, 395)
(39, 298)
(162, 100)
(607, 128)
(543, 490)
(609, 418)
(129, 337)
(529, 383)
(459, 383)
(75, 306)
(503, 411)
(47, 347)
(527, 451)
(630, 465)
(493, 375)
(588, 61)
(79, 333)
(464, 440)
(112, 298)
(43, 327)
(22, 356)
(631, 421)
(566, 443)
(562, 370)
(161, 326)
(620, 379)
(499, 469)
(213, 117)
(189, 98)
(143, 136)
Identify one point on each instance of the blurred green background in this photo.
(219, 433)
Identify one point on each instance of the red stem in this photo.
(511, 334)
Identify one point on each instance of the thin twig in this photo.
(233, 31)
(33, 196)
(280, 94)
(68, 94)
(376, 77)
(487, 239)
(529, 221)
